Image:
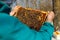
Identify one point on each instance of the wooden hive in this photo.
(33, 18)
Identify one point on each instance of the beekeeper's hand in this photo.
(14, 11)
(50, 16)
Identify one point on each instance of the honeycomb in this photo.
(33, 18)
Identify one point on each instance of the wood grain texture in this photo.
(36, 4)
(57, 14)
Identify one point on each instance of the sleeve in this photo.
(13, 29)
(4, 7)
(23, 32)
(47, 30)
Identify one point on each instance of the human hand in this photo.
(50, 16)
(14, 11)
